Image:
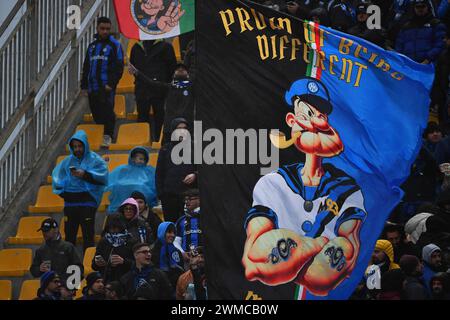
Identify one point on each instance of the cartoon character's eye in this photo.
(310, 113)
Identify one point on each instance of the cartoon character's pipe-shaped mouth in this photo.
(279, 140)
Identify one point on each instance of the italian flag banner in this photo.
(154, 19)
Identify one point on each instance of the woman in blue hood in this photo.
(165, 256)
(80, 180)
(134, 176)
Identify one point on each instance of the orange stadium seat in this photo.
(132, 135)
(5, 290)
(87, 260)
(105, 202)
(115, 160)
(176, 48)
(27, 231)
(133, 116)
(126, 83)
(29, 289)
(15, 262)
(47, 201)
(153, 159)
(94, 133)
(157, 145)
(58, 160)
(119, 109)
(79, 293)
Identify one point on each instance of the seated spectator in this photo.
(383, 256)
(134, 176)
(66, 293)
(395, 235)
(95, 288)
(54, 254)
(361, 30)
(165, 256)
(146, 214)
(432, 136)
(189, 230)
(422, 37)
(174, 179)
(50, 287)
(191, 285)
(439, 284)
(342, 15)
(432, 263)
(113, 291)
(113, 255)
(143, 273)
(413, 286)
(80, 180)
(391, 285)
(129, 216)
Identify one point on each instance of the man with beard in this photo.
(432, 263)
(422, 37)
(383, 256)
(439, 285)
(396, 236)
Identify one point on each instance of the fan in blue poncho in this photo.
(134, 176)
(80, 180)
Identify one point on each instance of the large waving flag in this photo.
(155, 19)
(352, 115)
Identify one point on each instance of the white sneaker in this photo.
(106, 141)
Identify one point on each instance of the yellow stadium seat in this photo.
(119, 109)
(87, 260)
(27, 231)
(126, 83)
(79, 293)
(115, 160)
(94, 133)
(134, 115)
(58, 161)
(15, 262)
(132, 135)
(29, 289)
(47, 201)
(5, 290)
(157, 145)
(176, 48)
(105, 202)
(153, 159)
(158, 211)
(63, 233)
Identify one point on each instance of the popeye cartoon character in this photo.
(306, 217)
(156, 16)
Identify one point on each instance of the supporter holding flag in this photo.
(134, 176)
(80, 180)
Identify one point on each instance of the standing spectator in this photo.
(102, 70)
(342, 15)
(383, 256)
(439, 284)
(129, 216)
(50, 287)
(189, 59)
(113, 255)
(422, 37)
(432, 136)
(146, 214)
(165, 255)
(54, 254)
(80, 180)
(113, 291)
(134, 176)
(154, 59)
(360, 29)
(413, 286)
(392, 285)
(144, 274)
(432, 263)
(395, 235)
(189, 230)
(191, 285)
(95, 288)
(173, 179)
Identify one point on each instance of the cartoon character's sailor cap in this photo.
(312, 91)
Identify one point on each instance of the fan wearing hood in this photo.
(422, 37)
(114, 255)
(134, 176)
(165, 255)
(383, 256)
(128, 213)
(432, 263)
(174, 179)
(80, 179)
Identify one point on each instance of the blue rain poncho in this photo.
(132, 177)
(92, 163)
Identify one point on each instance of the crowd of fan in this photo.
(141, 257)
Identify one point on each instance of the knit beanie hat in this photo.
(386, 247)
(48, 277)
